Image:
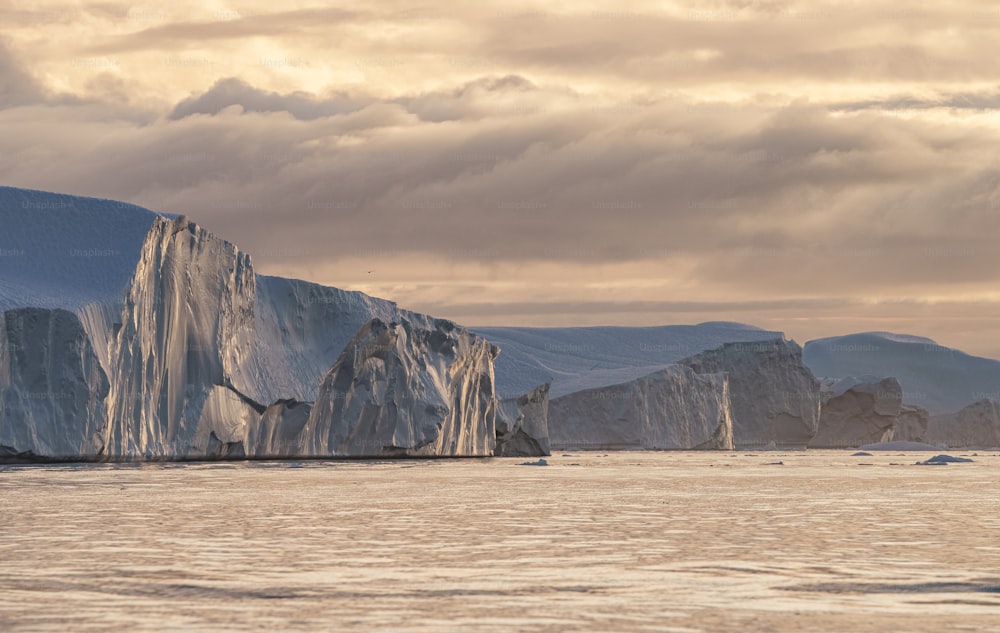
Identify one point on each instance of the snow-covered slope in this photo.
(398, 389)
(578, 358)
(671, 408)
(59, 251)
(774, 397)
(937, 378)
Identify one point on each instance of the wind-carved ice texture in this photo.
(671, 408)
(52, 387)
(775, 399)
(398, 390)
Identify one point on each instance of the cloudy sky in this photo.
(816, 168)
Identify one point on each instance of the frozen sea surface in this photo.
(628, 541)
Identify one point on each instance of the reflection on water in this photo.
(628, 541)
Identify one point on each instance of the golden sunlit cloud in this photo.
(816, 168)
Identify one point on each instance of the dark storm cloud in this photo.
(959, 100)
(233, 91)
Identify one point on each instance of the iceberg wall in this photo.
(773, 395)
(671, 408)
(52, 387)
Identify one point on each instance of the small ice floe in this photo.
(861, 454)
(540, 462)
(943, 460)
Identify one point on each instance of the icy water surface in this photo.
(628, 541)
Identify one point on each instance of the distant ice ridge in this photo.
(580, 358)
(937, 378)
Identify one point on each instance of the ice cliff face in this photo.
(774, 397)
(864, 413)
(671, 408)
(52, 387)
(523, 425)
(398, 389)
(974, 426)
(187, 327)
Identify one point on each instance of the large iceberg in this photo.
(399, 390)
(671, 408)
(169, 345)
(775, 399)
